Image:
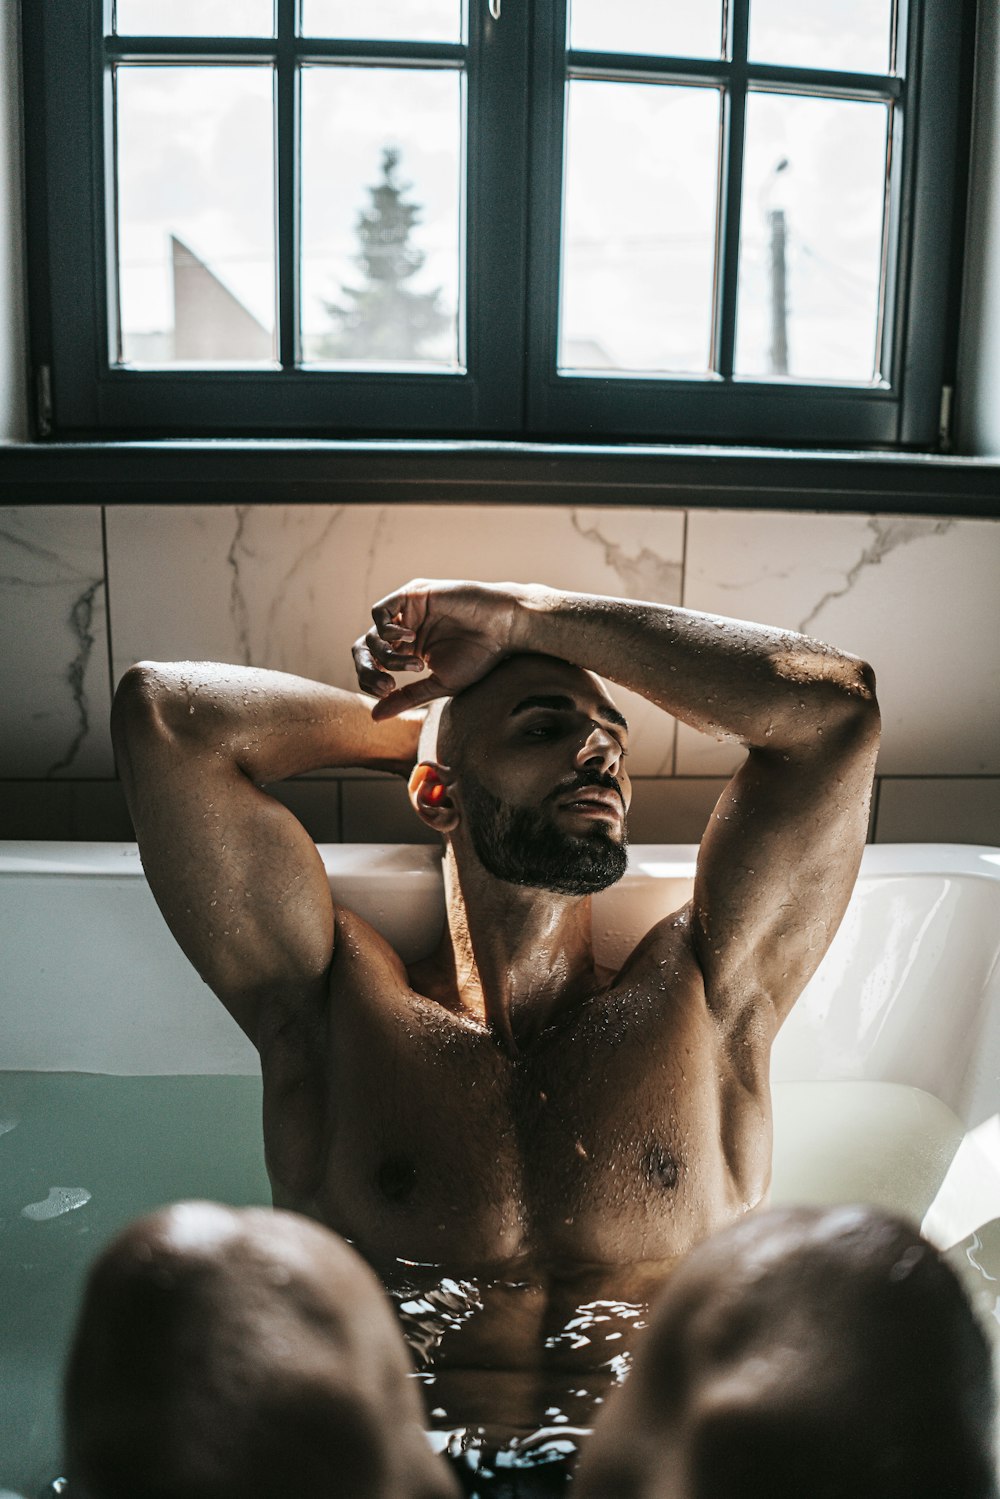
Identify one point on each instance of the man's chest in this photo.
(599, 1144)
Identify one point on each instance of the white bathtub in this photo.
(886, 1076)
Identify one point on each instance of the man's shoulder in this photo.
(666, 953)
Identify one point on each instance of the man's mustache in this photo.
(602, 778)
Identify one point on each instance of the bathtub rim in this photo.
(45, 858)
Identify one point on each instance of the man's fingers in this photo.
(413, 695)
(388, 655)
(392, 616)
(371, 677)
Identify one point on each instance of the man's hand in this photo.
(458, 630)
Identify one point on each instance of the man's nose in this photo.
(599, 749)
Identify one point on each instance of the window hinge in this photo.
(944, 418)
(43, 400)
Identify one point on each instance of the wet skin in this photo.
(505, 1117)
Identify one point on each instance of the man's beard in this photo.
(525, 846)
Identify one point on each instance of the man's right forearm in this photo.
(269, 723)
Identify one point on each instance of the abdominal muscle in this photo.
(511, 1349)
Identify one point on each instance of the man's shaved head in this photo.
(517, 746)
(456, 723)
(828, 1352)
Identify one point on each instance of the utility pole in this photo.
(779, 298)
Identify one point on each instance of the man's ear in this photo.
(430, 795)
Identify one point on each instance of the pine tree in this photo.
(384, 319)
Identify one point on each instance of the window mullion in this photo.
(286, 186)
(731, 186)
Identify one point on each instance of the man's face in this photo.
(543, 789)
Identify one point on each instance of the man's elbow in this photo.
(141, 708)
(853, 716)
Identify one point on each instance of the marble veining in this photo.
(53, 638)
(888, 533)
(647, 575)
(81, 620)
(237, 599)
(915, 596)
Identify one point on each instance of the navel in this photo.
(396, 1177)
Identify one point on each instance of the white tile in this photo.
(291, 587)
(380, 812)
(36, 809)
(925, 810)
(917, 597)
(316, 804)
(669, 810)
(53, 643)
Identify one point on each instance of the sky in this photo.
(195, 158)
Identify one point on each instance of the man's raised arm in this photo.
(781, 852)
(235, 874)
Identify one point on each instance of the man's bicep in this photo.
(777, 866)
(239, 881)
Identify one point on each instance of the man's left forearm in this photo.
(762, 686)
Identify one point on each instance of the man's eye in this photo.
(540, 731)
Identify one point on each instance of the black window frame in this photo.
(511, 389)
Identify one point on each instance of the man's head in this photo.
(524, 771)
(221, 1353)
(805, 1351)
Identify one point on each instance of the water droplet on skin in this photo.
(581, 1150)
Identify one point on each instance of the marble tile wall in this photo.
(85, 591)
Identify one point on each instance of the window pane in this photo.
(196, 214)
(811, 237)
(381, 215)
(194, 17)
(849, 34)
(384, 20)
(669, 28)
(639, 227)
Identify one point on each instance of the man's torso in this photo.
(505, 1199)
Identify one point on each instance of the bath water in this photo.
(82, 1155)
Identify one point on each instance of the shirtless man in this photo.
(519, 1142)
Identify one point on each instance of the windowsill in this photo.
(407, 471)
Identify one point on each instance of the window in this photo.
(725, 221)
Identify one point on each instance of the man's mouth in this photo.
(594, 801)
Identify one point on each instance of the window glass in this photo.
(381, 216)
(811, 237)
(849, 34)
(384, 20)
(194, 17)
(639, 227)
(195, 214)
(669, 28)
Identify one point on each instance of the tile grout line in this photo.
(684, 568)
(876, 800)
(107, 604)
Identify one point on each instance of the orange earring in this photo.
(433, 793)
